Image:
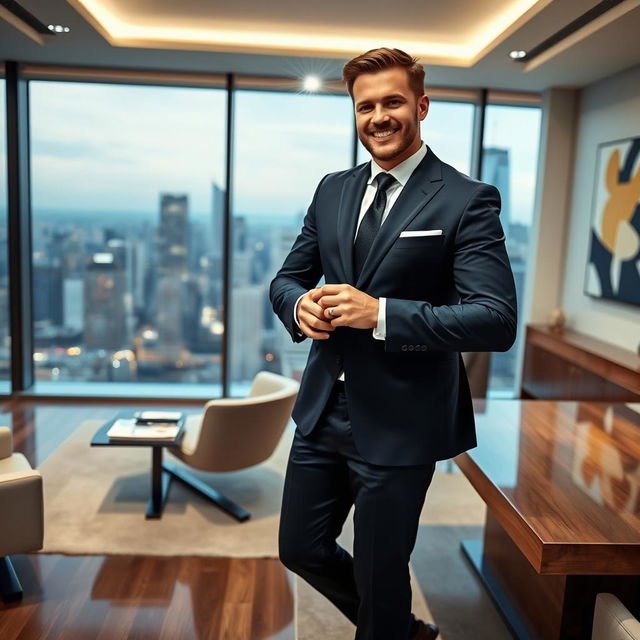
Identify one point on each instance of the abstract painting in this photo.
(613, 265)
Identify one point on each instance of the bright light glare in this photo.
(312, 83)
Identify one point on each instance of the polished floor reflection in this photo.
(82, 597)
(110, 597)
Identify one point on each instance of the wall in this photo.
(608, 110)
(553, 201)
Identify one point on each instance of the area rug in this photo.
(95, 500)
(317, 619)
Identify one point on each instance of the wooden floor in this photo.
(113, 597)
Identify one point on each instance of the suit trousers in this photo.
(326, 476)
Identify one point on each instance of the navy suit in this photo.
(406, 401)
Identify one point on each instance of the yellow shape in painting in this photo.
(616, 232)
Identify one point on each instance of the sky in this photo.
(104, 147)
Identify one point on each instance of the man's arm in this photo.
(485, 317)
(300, 272)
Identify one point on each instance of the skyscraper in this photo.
(172, 233)
(172, 272)
(217, 218)
(496, 171)
(105, 324)
(292, 356)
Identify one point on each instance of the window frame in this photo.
(19, 208)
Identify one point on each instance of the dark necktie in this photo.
(371, 222)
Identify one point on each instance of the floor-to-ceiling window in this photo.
(5, 335)
(128, 200)
(127, 204)
(284, 144)
(510, 157)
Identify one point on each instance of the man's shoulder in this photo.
(463, 183)
(338, 178)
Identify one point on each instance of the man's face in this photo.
(388, 115)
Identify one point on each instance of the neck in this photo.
(387, 165)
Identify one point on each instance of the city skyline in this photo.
(117, 159)
(153, 310)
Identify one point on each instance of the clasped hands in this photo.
(324, 308)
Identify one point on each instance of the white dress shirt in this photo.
(401, 173)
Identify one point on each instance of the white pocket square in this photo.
(420, 234)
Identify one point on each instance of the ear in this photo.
(423, 107)
(612, 170)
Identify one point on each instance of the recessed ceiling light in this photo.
(312, 83)
(517, 54)
(58, 28)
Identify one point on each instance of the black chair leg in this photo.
(208, 492)
(10, 587)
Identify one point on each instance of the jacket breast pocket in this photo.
(428, 245)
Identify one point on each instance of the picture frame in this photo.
(613, 259)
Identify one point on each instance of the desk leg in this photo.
(159, 485)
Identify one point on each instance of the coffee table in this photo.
(160, 480)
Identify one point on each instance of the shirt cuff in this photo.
(380, 332)
(295, 309)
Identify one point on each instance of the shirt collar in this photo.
(403, 171)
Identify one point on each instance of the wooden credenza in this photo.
(568, 365)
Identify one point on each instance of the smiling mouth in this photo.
(381, 135)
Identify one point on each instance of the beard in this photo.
(402, 140)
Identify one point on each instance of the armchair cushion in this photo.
(6, 442)
(15, 463)
(21, 504)
(22, 512)
(613, 621)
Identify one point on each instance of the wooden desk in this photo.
(561, 481)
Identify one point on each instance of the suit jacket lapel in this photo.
(423, 184)
(348, 211)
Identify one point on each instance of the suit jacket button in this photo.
(411, 347)
(403, 347)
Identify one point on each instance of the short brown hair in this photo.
(384, 58)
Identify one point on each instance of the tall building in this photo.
(73, 305)
(292, 356)
(246, 332)
(239, 239)
(168, 318)
(496, 171)
(171, 273)
(48, 292)
(217, 220)
(105, 321)
(173, 233)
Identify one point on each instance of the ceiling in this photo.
(461, 43)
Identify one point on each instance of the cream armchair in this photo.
(613, 621)
(21, 512)
(233, 434)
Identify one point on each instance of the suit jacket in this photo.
(407, 396)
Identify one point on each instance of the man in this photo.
(416, 271)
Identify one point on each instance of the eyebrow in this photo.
(384, 98)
